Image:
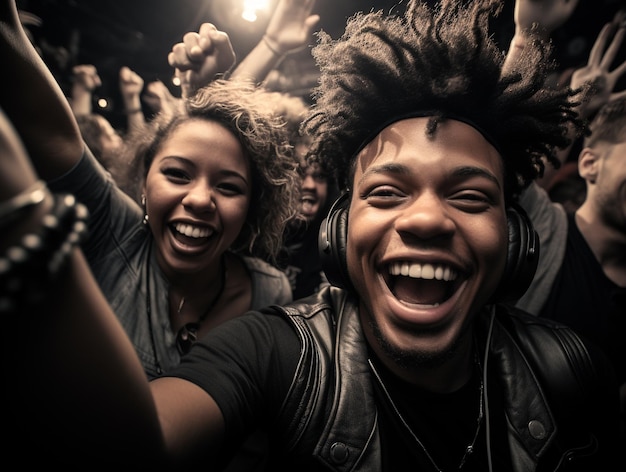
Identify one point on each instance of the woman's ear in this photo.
(588, 162)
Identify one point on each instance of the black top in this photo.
(593, 305)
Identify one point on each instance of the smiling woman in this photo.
(217, 188)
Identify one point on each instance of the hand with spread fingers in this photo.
(597, 72)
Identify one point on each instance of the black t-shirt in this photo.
(445, 424)
(248, 365)
(585, 299)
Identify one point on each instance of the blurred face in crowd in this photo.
(314, 188)
(603, 166)
(427, 237)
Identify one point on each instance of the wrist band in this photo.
(271, 47)
(13, 207)
(133, 110)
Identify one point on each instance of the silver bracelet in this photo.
(12, 208)
(271, 47)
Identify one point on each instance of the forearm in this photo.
(259, 62)
(134, 113)
(82, 367)
(81, 100)
(34, 102)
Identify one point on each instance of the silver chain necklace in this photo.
(468, 450)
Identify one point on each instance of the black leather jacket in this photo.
(561, 403)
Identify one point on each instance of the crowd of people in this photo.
(377, 279)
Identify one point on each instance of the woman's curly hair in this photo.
(439, 61)
(241, 107)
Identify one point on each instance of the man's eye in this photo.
(382, 192)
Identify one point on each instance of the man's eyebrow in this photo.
(390, 168)
(469, 171)
(399, 169)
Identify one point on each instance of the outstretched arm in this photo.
(33, 101)
(289, 30)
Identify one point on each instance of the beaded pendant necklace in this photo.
(188, 334)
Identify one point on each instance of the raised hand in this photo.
(544, 15)
(200, 57)
(291, 25)
(131, 83)
(596, 73)
(159, 98)
(86, 76)
(85, 80)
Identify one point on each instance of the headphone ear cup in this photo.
(522, 256)
(332, 242)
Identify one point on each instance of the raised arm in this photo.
(131, 85)
(289, 30)
(536, 18)
(159, 99)
(200, 57)
(33, 101)
(85, 80)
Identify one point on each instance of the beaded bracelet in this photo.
(13, 207)
(28, 268)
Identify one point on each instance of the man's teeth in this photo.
(192, 231)
(422, 271)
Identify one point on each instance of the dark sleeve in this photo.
(112, 213)
(247, 365)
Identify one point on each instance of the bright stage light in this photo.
(251, 9)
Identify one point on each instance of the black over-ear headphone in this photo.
(521, 262)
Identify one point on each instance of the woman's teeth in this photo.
(192, 231)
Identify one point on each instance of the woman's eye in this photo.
(177, 174)
(231, 189)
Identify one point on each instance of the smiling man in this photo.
(408, 361)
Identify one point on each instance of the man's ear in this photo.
(588, 162)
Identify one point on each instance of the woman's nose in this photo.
(200, 197)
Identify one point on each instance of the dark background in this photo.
(139, 33)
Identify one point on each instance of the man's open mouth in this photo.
(423, 284)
